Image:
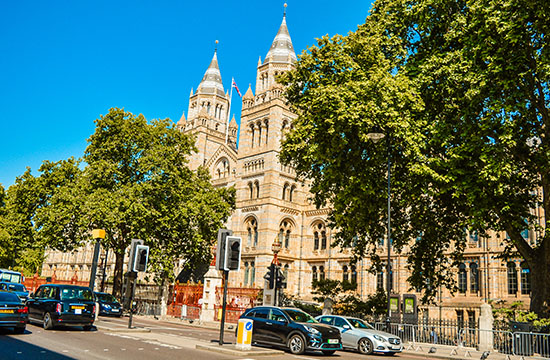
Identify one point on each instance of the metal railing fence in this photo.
(535, 345)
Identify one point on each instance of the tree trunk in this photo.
(540, 281)
(119, 268)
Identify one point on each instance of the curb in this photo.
(123, 330)
(236, 352)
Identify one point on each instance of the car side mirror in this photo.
(346, 327)
(31, 295)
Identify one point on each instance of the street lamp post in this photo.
(375, 137)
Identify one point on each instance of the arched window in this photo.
(246, 273)
(512, 278)
(353, 274)
(345, 273)
(462, 279)
(316, 241)
(319, 235)
(259, 133)
(251, 190)
(321, 273)
(266, 124)
(525, 279)
(252, 228)
(285, 189)
(257, 188)
(252, 273)
(252, 133)
(314, 274)
(285, 230)
(291, 195)
(474, 277)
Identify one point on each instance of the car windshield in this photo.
(300, 316)
(76, 293)
(106, 298)
(17, 287)
(359, 324)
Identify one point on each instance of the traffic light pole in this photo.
(133, 276)
(224, 304)
(275, 284)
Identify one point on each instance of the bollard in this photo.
(244, 334)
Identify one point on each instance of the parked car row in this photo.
(53, 305)
(298, 332)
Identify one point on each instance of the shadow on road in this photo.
(15, 346)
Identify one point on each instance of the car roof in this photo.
(67, 286)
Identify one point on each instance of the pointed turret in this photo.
(281, 48)
(233, 123)
(248, 95)
(212, 80)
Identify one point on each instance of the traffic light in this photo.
(232, 253)
(141, 255)
(281, 280)
(133, 246)
(220, 249)
(270, 276)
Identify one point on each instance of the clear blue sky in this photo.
(63, 63)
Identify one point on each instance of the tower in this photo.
(270, 201)
(207, 120)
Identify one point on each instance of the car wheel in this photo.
(19, 330)
(88, 327)
(328, 352)
(297, 344)
(365, 346)
(48, 323)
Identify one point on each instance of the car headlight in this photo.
(380, 338)
(312, 330)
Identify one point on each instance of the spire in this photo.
(248, 95)
(281, 48)
(182, 119)
(233, 122)
(212, 80)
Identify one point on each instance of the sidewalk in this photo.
(428, 351)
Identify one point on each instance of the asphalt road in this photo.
(165, 341)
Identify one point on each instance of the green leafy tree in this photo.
(139, 186)
(461, 90)
(41, 211)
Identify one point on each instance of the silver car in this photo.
(359, 335)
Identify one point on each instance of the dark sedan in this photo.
(108, 304)
(293, 329)
(55, 304)
(13, 313)
(16, 288)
